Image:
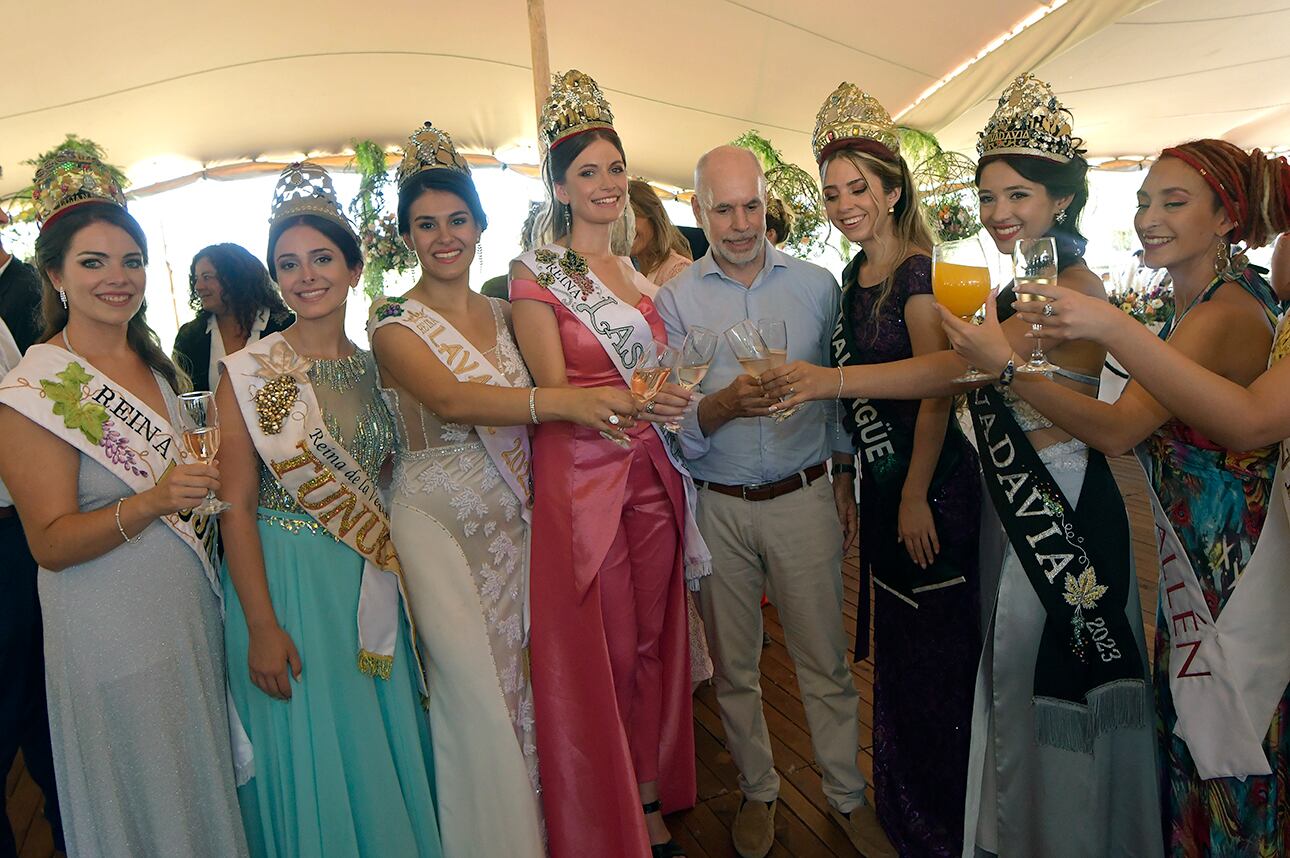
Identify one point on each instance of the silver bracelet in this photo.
(128, 540)
(840, 377)
(533, 406)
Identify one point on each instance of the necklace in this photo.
(67, 343)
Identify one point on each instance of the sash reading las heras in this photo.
(1089, 678)
(623, 333)
(885, 455)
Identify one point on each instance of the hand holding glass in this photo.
(750, 348)
(961, 284)
(696, 356)
(1035, 263)
(200, 422)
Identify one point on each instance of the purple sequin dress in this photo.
(925, 657)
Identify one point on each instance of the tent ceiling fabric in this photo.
(1169, 72)
(269, 80)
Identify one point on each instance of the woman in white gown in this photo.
(459, 512)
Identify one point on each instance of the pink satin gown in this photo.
(609, 652)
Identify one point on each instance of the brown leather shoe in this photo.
(754, 830)
(865, 832)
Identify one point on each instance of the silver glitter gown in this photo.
(134, 662)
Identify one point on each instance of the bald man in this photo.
(767, 509)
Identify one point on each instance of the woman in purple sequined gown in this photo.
(920, 503)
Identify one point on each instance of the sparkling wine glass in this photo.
(1035, 263)
(961, 284)
(696, 356)
(750, 348)
(775, 333)
(200, 420)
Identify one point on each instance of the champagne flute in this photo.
(775, 334)
(961, 284)
(652, 370)
(750, 348)
(1035, 262)
(200, 421)
(696, 356)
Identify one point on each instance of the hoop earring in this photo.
(1061, 216)
(62, 296)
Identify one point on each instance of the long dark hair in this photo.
(1059, 180)
(337, 234)
(51, 252)
(244, 283)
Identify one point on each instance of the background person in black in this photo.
(236, 303)
(24, 721)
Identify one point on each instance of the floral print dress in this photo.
(1217, 500)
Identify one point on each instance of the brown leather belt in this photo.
(7, 512)
(768, 491)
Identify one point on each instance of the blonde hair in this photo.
(910, 222)
(667, 238)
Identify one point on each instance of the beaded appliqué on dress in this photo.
(369, 438)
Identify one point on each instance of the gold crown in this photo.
(429, 148)
(69, 178)
(1029, 121)
(575, 105)
(851, 114)
(305, 188)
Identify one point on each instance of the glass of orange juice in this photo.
(961, 284)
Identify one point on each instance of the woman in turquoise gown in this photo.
(342, 753)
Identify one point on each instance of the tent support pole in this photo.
(541, 59)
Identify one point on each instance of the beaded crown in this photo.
(68, 178)
(575, 105)
(851, 114)
(429, 148)
(1029, 121)
(305, 188)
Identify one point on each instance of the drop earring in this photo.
(1061, 216)
(62, 296)
(568, 219)
(479, 254)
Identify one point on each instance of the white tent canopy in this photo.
(169, 89)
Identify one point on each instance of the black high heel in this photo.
(670, 849)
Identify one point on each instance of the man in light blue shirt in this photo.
(770, 515)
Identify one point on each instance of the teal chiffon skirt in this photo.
(344, 769)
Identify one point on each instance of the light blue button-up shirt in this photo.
(751, 450)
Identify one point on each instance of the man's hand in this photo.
(743, 397)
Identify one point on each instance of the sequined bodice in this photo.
(1029, 419)
(421, 432)
(353, 413)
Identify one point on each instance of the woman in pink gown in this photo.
(609, 651)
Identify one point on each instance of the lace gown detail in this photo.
(464, 544)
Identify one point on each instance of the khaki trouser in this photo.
(791, 547)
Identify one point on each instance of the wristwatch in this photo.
(1009, 372)
(844, 468)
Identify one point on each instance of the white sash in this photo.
(66, 395)
(285, 422)
(1227, 677)
(507, 446)
(623, 333)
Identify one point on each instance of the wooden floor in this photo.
(802, 824)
